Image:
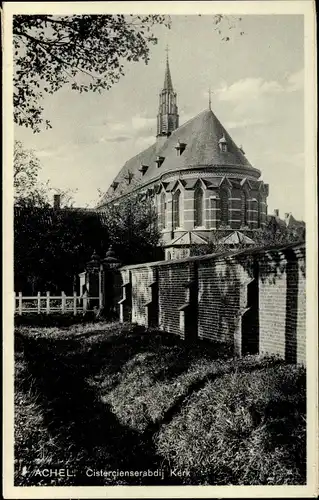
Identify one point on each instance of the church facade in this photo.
(200, 180)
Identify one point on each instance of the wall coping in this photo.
(298, 250)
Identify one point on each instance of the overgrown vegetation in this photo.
(118, 397)
(52, 246)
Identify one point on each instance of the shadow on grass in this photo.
(73, 413)
(80, 422)
(83, 425)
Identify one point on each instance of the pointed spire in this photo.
(167, 79)
(167, 118)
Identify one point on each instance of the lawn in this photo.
(109, 397)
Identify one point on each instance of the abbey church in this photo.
(200, 180)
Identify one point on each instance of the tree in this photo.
(25, 172)
(52, 246)
(133, 229)
(224, 24)
(86, 52)
(28, 191)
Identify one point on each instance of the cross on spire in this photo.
(167, 51)
(167, 80)
(210, 98)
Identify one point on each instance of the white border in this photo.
(304, 7)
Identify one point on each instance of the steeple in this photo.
(167, 118)
(167, 79)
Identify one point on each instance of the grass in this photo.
(111, 396)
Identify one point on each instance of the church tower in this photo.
(167, 118)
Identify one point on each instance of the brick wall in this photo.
(221, 298)
(141, 281)
(253, 299)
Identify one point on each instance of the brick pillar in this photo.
(126, 302)
(189, 310)
(152, 307)
(93, 278)
(110, 280)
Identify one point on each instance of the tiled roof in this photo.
(187, 238)
(289, 221)
(292, 222)
(235, 238)
(201, 136)
(275, 220)
(212, 182)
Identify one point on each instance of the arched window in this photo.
(176, 209)
(244, 209)
(198, 207)
(163, 210)
(224, 208)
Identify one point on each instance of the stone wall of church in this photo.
(230, 205)
(253, 301)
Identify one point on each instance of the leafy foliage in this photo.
(52, 246)
(86, 52)
(273, 234)
(133, 229)
(28, 191)
(224, 24)
(25, 172)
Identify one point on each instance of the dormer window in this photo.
(129, 176)
(223, 146)
(241, 149)
(159, 160)
(180, 147)
(114, 185)
(143, 169)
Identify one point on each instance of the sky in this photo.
(257, 93)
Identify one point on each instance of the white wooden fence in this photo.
(42, 303)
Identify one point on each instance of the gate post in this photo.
(93, 279)
(109, 281)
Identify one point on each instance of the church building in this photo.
(200, 180)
